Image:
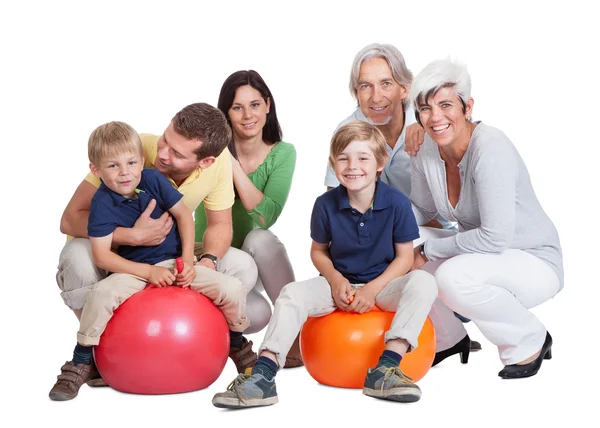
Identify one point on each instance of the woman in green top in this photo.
(263, 167)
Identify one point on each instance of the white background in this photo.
(68, 67)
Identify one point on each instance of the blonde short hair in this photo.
(357, 130)
(113, 138)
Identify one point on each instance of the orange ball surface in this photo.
(338, 348)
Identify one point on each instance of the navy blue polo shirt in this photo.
(110, 210)
(362, 245)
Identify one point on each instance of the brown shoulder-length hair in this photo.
(271, 131)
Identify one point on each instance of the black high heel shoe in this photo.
(463, 348)
(515, 371)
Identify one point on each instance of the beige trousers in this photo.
(104, 297)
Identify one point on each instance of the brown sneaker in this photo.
(243, 357)
(294, 358)
(96, 379)
(69, 381)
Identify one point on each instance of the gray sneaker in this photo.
(390, 383)
(247, 390)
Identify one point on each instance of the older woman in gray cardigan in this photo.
(506, 257)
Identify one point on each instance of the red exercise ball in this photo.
(338, 348)
(163, 341)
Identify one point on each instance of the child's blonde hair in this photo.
(113, 138)
(359, 131)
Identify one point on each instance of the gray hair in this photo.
(401, 74)
(442, 73)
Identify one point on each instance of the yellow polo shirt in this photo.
(213, 185)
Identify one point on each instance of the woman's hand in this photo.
(415, 135)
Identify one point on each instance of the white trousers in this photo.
(496, 292)
(409, 296)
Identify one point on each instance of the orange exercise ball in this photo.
(338, 348)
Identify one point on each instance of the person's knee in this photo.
(260, 238)
(293, 292)
(76, 267)
(258, 311)
(425, 283)
(450, 278)
(240, 265)
(233, 291)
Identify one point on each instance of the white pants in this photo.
(496, 292)
(409, 296)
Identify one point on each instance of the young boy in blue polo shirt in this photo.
(117, 158)
(362, 246)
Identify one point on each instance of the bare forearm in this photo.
(217, 239)
(125, 236)
(249, 194)
(185, 224)
(75, 224)
(399, 267)
(322, 262)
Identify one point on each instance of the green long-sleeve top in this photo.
(274, 179)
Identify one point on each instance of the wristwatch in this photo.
(422, 251)
(212, 258)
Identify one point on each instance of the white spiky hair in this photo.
(439, 74)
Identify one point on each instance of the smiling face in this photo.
(121, 173)
(379, 95)
(356, 167)
(176, 155)
(248, 113)
(443, 118)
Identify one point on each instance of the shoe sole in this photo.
(58, 396)
(96, 383)
(402, 395)
(233, 403)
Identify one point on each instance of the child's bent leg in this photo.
(226, 292)
(295, 304)
(105, 296)
(410, 297)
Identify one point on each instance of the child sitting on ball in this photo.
(362, 246)
(116, 157)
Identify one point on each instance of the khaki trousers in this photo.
(104, 297)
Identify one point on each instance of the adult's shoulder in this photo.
(284, 149)
(149, 143)
(490, 142)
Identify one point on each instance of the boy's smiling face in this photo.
(121, 173)
(356, 167)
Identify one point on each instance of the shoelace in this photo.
(391, 372)
(235, 385)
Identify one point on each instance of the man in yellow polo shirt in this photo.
(192, 154)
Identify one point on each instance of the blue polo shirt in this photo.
(362, 245)
(110, 210)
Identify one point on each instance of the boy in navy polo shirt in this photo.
(127, 189)
(362, 246)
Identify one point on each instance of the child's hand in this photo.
(160, 276)
(187, 274)
(363, 301)
(341, 291)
